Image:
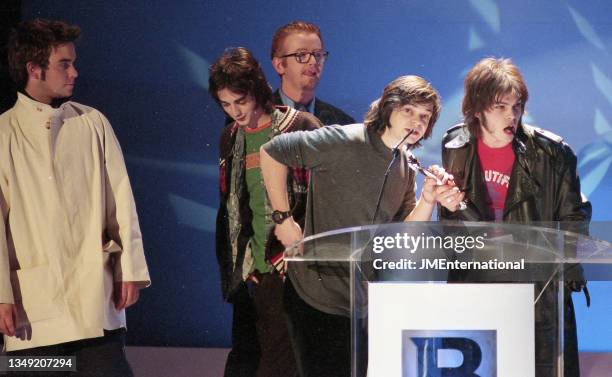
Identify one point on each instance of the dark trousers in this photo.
(95, 357)
(322, 341)
(243, 359)
(546, 330)
(260, 339)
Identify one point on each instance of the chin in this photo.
(311, 84)
(62, 97)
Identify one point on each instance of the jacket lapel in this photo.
(475, 186)
(465, 166)
(522, 186)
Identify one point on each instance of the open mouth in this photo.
(310, 73)
(509, 130)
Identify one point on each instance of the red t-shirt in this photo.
(496, 166)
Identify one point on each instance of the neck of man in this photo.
(298, 95)
(493, 142)
(387, 139)
(261, 120)
(32, 92)
(36, 95)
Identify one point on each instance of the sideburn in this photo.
(483, 123)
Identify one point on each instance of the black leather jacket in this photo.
(544, 186)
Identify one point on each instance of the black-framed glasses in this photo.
(303, 57)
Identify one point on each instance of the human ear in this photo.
(278, 65)
(34, 70)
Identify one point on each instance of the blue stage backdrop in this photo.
(144, 64)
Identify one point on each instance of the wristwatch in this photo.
(280, 216)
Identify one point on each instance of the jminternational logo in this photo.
(449, 353)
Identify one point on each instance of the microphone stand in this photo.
(396, 152)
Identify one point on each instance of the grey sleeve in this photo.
(409, 201)
(305, 149)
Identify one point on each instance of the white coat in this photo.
(69, 226)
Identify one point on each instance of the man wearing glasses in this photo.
(298, 56)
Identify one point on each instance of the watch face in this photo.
(278, 216)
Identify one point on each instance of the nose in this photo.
(73, 72)
(235, 111)
(514, 113)
(419, 122)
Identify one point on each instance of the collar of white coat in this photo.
(37, 113)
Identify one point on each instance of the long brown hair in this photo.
(238, 70)
(488, 81)
(402, 91)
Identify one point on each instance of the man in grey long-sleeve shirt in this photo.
(347, 167)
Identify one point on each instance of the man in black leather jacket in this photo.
(513, 172)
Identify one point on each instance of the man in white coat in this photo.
(71, 253)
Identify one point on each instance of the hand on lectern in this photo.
(288, 232)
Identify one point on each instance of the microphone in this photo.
(396, 149)
(396, 152)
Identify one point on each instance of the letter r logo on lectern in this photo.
(449, 353)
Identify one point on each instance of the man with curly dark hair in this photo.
(71, 253)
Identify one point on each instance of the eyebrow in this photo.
(506, 103)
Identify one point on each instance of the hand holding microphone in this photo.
(445, 192)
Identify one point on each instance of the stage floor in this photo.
(209, 362)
